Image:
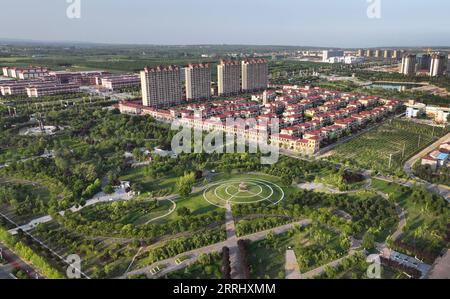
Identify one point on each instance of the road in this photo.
(441, 189)
(14, 262)
(170, 265)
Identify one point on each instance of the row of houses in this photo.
(24, 73)
(338, 114)
(37, 88)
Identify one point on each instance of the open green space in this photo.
(427, 218)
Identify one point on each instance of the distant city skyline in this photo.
(319, 23)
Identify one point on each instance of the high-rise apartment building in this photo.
(378, 53)
(255, 74)
(408, 66)
(228, 75)
(396, 54)
(438, 65)
(425, 62)
(198, 81)
(387, 54)
(369, 53)
(161, 86)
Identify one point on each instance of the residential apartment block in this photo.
(255, 74)
(34, 91)
(25, 73)
(120, 81)
(198, 81)
(228, 74)
(161, 86)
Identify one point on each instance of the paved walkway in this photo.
(232, 239)
(170, 265)
(402, 223)
(292, 269)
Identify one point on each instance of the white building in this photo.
(408, 66)
(438, 65)
(327, 54)
(414, 109)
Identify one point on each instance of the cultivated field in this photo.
(387, 147)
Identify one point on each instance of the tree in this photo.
(183, 212)
(108, 189)
(368, 241)
(185, 183)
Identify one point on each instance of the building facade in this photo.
(438, 65)
(255, 74)
(198, 81)
(408, 66)
(327, 54)
(161, 86)
(120, 81)
(228, 75)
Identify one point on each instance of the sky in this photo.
(327, 23)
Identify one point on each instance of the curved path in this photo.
(170, 265)
(174, 206)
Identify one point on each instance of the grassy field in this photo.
(399, 138)
(139, 175)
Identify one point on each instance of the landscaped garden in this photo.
(427, 217)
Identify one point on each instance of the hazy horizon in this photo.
(300, 23)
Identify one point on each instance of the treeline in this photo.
(23, 198)
(180, 245)
(28, 254)
(372, 213)
(441, 176)
(246, 227)
(113, 227)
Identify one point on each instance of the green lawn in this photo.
(139, 175)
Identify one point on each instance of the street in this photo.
(14, 262)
